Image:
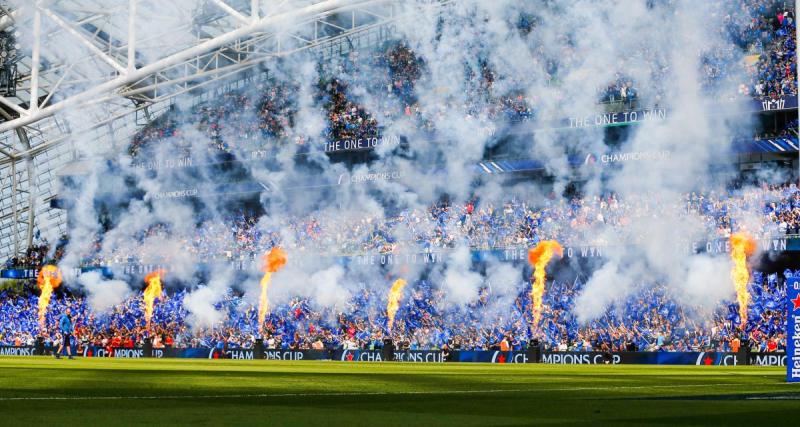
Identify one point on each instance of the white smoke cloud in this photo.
(607, 286)
(329, 289)
(200, 302)
(200, 305)
(574, 49)
(103, 294)
(707, 283)
(459, 283)
(504, 280)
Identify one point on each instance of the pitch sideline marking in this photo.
(339, 394)
(779, 397)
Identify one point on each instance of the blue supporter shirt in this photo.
(65, 324)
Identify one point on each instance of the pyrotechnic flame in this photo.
(274, 260)
(539, 257)
(151, 292)
(48, 279)
(395, 295)
(742, 246)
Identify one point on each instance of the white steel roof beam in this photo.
(7, 20)
(33, 105)
(10, 104)
(254, 9)
(83, 40)
(131, 35)
(232, 12)
(127, 77)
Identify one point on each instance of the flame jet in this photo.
(742, 246)
(48, 279)
(151, 292)
(539, 257)
(274, 260)
(395, 295)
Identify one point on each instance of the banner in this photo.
(776, 359)
(129, 353)
(32, 273)
(615, 118)
(362, 143)
(495, 356)
(793, 330)
(413, 356)
(643, 358)
(775, 104)
(269, 354)
(9, 350)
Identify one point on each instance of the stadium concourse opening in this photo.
(272, 201)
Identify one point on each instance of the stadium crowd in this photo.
(365, 92)
(650, 320)
(769, 30)
(764, 212)
(762, 28)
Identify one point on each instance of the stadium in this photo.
(394, 212)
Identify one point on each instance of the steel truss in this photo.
(91, 66)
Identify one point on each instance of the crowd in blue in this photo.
(365, 92)
(651, 319)
(764, 212)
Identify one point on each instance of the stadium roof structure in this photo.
(90, 73)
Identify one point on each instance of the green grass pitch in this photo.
(44, 391)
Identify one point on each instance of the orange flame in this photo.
(48, 279)
(395, 294)
(273, 261)
(151, 292)
(539, 257)
(742, 246)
